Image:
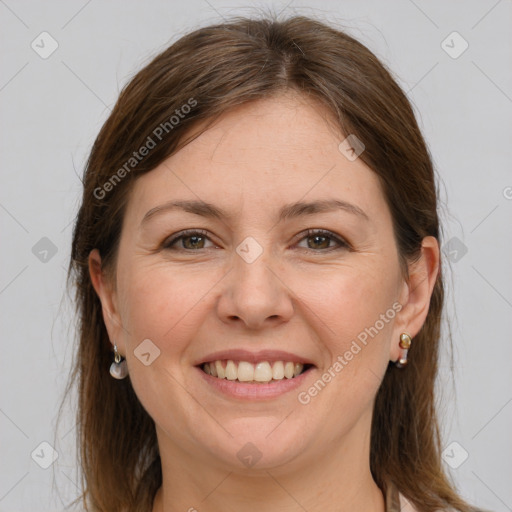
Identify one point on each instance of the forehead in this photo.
(259, 155)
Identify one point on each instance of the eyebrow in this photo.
(289, 211)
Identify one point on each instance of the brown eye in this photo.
(190, 240)
(322, 240)
(319, 242)
(196, 242)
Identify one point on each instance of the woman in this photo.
(257, 264)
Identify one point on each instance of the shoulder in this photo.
(406, 506)
(397, 502)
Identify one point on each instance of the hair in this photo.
(214, 69)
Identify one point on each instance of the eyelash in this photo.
(168, 243)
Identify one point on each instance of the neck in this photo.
(338, 479)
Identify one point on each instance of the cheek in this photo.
(348, 301)
(161, 304)
(354, 315)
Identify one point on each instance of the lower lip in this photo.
(251, 391)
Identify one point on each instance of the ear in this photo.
(108, 297)
(415, 294)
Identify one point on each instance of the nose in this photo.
(255, 294)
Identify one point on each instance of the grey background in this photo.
(52, 109)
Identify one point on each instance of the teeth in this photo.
(288, 370)
(263, 372)
(278, 370)
(221, 374)
(244, 371)
(231, 370)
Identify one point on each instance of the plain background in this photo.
(52, 108)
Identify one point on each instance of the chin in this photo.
(258, 443)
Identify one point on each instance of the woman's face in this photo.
(254, 286)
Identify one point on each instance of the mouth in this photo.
(265, 374)
(261, 372)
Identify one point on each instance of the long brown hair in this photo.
(214, 69)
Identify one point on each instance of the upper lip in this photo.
(254, 357)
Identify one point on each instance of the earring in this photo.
(405, 345)
(118, 369)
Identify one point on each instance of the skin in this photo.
(303, 295)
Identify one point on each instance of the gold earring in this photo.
(405, 345)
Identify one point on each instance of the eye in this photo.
(321, 239)
(191, 239)
(194, 239)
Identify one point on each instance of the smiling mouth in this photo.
(260, 373)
